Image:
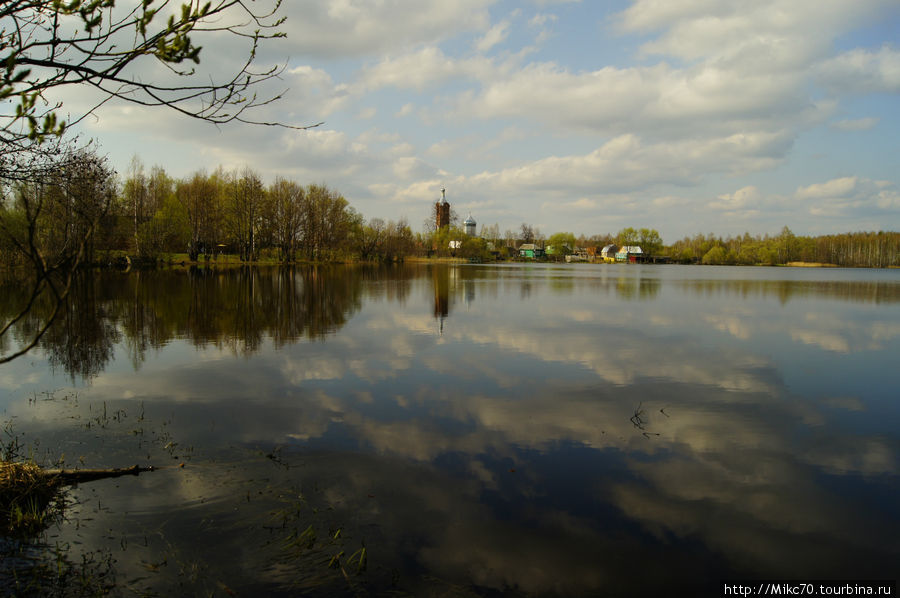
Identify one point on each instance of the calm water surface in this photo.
(479, 430)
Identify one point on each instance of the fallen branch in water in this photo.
(30, 495)
(76, 476)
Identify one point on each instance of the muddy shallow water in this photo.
(470, 430)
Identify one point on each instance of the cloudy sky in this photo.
(687, 116)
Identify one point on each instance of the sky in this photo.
(686, 116)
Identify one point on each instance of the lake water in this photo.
(479, 430)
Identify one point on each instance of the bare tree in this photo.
(368, 238)
(287, 199)
(326, 222)
(527, 232)
(134, 193)
(244, 196)
(201, 201)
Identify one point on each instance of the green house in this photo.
(530, 250)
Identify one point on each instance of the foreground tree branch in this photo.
(48, 44)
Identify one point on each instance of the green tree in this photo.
(168, 229)
(786, 246)
(626, 236)
(650, 241)
(561, 243)
(716, 255)
(686, 256)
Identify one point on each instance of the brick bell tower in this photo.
(442, 211)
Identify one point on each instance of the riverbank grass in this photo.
(27, 498)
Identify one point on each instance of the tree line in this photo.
(80, 210)
(150, 214)
(854, 249)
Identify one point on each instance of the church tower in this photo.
(442, 211)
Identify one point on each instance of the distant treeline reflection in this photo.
(863, 291)
(238, 309)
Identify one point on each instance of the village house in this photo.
(629, 253)
(608, 253)
(530, 250)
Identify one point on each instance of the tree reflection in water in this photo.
(574, 430)
(231, 308)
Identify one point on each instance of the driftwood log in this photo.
(28, 493)
(75, 476)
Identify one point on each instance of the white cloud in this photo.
(610, 177)
(626, 163)
(851, 196)
(348, 28)
(668, 201)
(654, 100)
(648, 15)
(842, 187)
(769, 34)
(446, 148)
(746, 197)
(541, 19)
(578, 205)
(863, 71)
(420, 70)
(410, 167)
(495, 35)
(314, 91)
(859, 124)
(888, 199)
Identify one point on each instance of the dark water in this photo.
(479, 430)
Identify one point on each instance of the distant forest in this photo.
(859, 249)
(146, 214)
